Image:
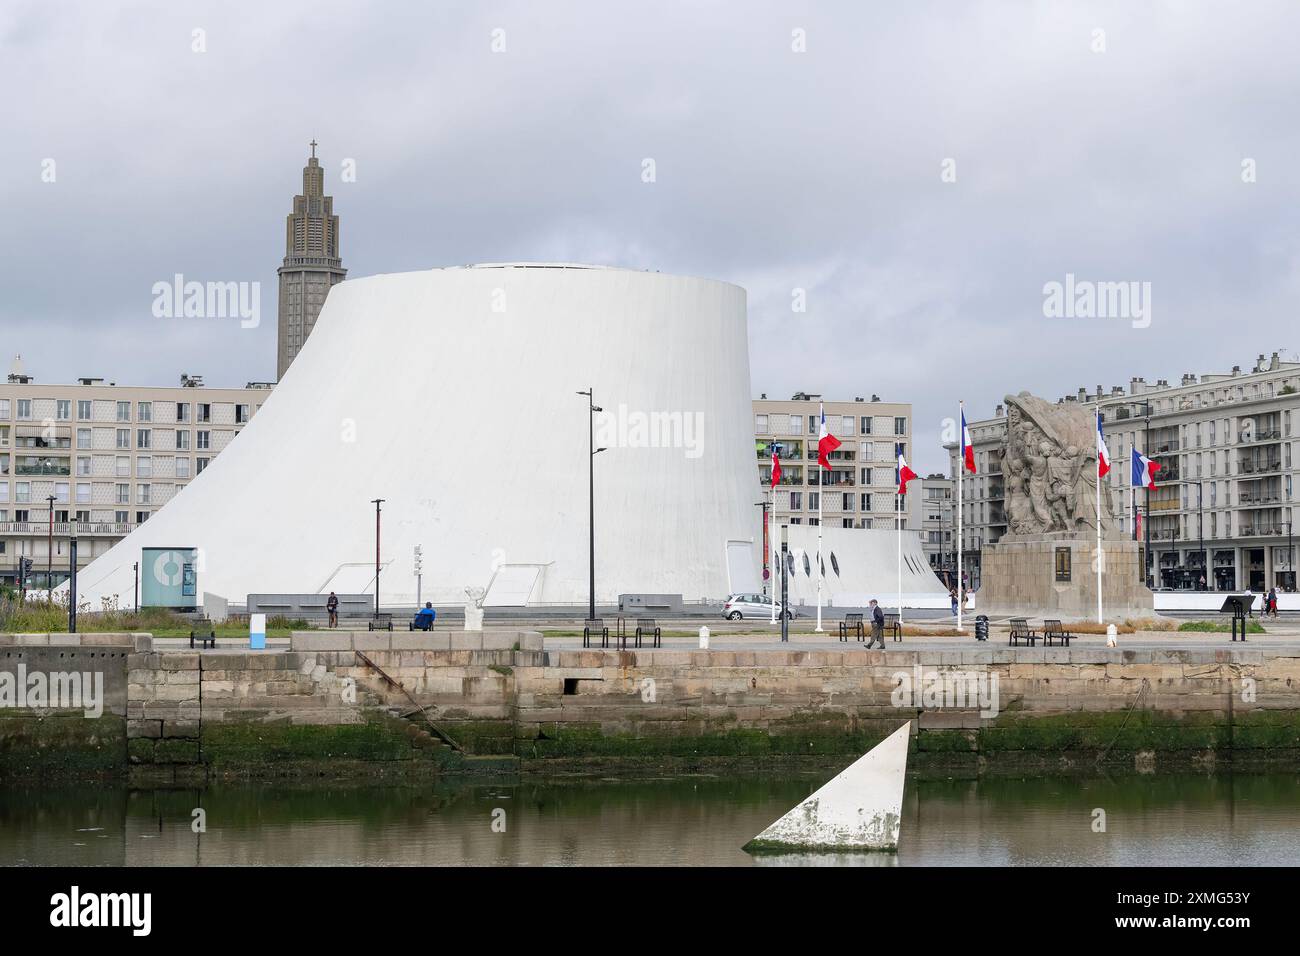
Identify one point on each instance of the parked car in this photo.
(753, 606)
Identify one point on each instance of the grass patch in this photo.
(1220, 627)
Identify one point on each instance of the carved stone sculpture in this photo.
(1049, 459)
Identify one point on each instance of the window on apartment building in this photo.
(144, 411)
(83, 438)
(61, 492)
(814, 498)
(796, 425)
(203, 440)
(83, 492)
(846, 502)
(242, 416)
(83, 467)
(796, 501)
(22, 492)
(182, 411)
(122, 466)
(900, 426)
(182, 467)
(124, 438)
(183, 440)
(846, 425)
(814, 426)
(142, 494)
(121, 517)
(760, 421)
(22, 515)
(846, 522)
(123, 494)
(865, 502)
(141, 517)
(144, 467)
(83, 409)
(24, 409)
(4, 491)
(4, 409)
(83, 517)
(63, 410)
(865, 426)
(143, 438)
(203, 412)
(866, 476)
(123, 411)
(200, 464)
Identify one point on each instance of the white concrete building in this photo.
(451, 395)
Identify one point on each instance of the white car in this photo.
(752, 606)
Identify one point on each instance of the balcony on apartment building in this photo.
(63, 529)
(785, 450)
(1258, 465)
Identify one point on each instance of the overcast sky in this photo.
(1115, 156)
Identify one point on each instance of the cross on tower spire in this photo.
(312, 144)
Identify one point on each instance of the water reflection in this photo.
(683, 820)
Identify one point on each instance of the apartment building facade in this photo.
(858, 491)
(1223, 507)
(937, 504)
(98, 459)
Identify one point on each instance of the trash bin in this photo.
(981, 627)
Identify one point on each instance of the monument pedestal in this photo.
(1054, 575)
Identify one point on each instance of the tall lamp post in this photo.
(377, 502)
(763, 537)
(72, 583)
(593, 451)
(1146, 525)
(49, 555)
(785, 549)
(1200, 531)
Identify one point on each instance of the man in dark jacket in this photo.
(877, 625)
(332, 605)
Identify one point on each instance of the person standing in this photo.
(877, 625)
(332, 605)
(1270, 602)
(952, 596)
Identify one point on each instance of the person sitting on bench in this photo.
(424, 619)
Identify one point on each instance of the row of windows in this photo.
(840, 426)
(143, 411)
(23, 489)
(24, 515)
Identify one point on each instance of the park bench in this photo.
(204, 632)
(647, 627)
(1021, 631)
(1052, 630)
(892, 627)
(852, 624)
(380, 622)
(592, 627)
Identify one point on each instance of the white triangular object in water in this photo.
(858, 810)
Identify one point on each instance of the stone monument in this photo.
(1046, 563)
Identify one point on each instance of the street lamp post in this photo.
(593, 451)
(763, 538)
(377, 502)
(1200, 531)
(72, 583)
(49, 555)
(135, 590)
(1146, 526)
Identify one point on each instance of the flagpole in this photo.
(771, 540)
(821, 493)
(961, 466)
(1100, 559)
(898, 527)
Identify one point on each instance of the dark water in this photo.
(684, 820)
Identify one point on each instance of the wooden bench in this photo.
(892, 627)
(647, 627)
(1052, 630)
(204, 632)
(1021, 631)
(852, 624)
(380, 622)
(593, 626)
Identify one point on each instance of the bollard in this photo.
(704, 638)
(1112, 636)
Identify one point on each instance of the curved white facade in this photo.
(866, 565)
(451, 395)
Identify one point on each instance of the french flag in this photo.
(1144, 470)
(967, 452)
(776, 467)
(826, 442)
(905, 474)
(1103, 456)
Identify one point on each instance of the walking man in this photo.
(332, 605)
(877, 625)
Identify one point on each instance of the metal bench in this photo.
(381, 622)
(892, 627)
(204, 632)
(1021, 631)
(647, 628)
(1052, 630)
(592, 627)
(852, 624)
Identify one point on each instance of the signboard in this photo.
(169, 578)
(257, 632)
